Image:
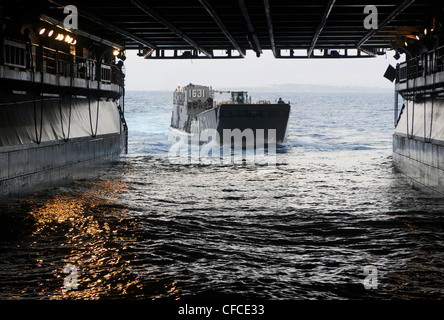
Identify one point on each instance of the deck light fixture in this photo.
(69, 39)
(42, 31)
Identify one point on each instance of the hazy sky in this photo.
(143, 74)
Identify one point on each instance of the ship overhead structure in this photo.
(62, 94)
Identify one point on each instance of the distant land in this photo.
(293, 87)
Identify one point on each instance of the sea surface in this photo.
(330, 218)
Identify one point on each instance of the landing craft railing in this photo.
(24, 56)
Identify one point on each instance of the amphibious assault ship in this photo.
(61, 102)
(196, 112)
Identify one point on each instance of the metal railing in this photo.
(14, 54)
(42, 59)
(425, 64)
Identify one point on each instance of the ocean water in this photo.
(332, 219)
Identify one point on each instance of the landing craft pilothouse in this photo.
(197, 114)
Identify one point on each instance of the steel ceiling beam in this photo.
(270, 27)
(149, 11)
(218, 25)
(110, 26)
(321, 25)
(386, 21)
(257, 46)
(82, 33)
(221, 25)
(118, 30)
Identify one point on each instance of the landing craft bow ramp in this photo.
(177, 29)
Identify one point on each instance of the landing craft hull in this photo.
(267, 123)
(255, 117)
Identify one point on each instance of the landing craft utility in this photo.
(196, 111)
